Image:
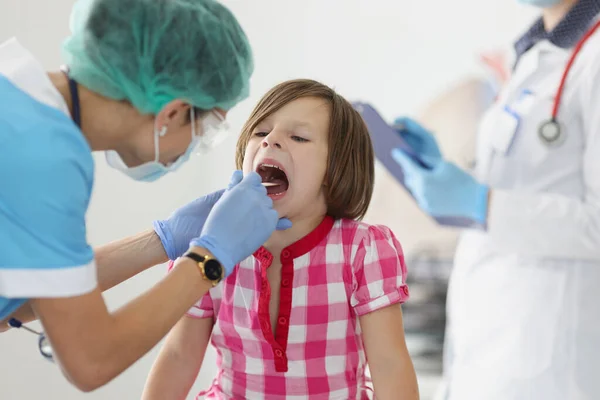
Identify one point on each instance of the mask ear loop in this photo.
(163, 131)
(157, 135)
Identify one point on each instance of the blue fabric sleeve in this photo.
(46, 179)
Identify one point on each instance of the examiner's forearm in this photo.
(116, 262)
(122, 259)
(93, 346)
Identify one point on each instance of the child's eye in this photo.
(299, 139)
(261, 134)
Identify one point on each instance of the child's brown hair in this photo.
(350, 162)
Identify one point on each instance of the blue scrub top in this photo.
(46, 179)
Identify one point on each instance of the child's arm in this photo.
(391, 368)
(379, 289)
(179, 361)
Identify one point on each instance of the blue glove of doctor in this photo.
(419, 139)
(185, 224)
(240, 222)
(444, 190)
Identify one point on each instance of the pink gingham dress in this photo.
(338, 272)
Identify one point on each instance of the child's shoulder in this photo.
(372, 245)
(356, 237)
(359, 230)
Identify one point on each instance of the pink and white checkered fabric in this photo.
(340, 271)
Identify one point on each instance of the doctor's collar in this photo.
(568, 31)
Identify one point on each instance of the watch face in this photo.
(213, 270)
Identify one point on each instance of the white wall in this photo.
(398, 54)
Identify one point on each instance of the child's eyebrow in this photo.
(301, 124)
(289, 123)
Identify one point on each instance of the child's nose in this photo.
(271, 140)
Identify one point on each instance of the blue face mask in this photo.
(153, 170)
(540, 3)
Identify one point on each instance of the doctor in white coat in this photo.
(524, 296)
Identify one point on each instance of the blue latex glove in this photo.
(240, 222)
(185, 224)
(445, 190)
(420, 140)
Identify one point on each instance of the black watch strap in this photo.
(195, 256)
(210, 268)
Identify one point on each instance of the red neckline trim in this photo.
(300, 247)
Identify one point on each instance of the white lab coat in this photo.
(524, 297)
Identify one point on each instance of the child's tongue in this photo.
(280, 186)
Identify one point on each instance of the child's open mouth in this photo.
(275, 180)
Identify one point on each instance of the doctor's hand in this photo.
(419, 139)
(445, 190)
(240, 222)
(185, 224)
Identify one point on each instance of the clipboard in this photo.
(385, 138)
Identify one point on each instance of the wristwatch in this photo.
(210, 268)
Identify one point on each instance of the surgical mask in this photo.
(214, 130)
(540, 3)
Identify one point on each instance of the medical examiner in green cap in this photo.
(147, 82)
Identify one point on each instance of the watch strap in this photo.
(195, 256)
(200, 259)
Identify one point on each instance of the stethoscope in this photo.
(550, 132)
(76, 112)
(44, 345)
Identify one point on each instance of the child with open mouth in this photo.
(300, 318)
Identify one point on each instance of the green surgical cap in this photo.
(150, 52)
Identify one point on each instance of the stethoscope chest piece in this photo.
(551, 133)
